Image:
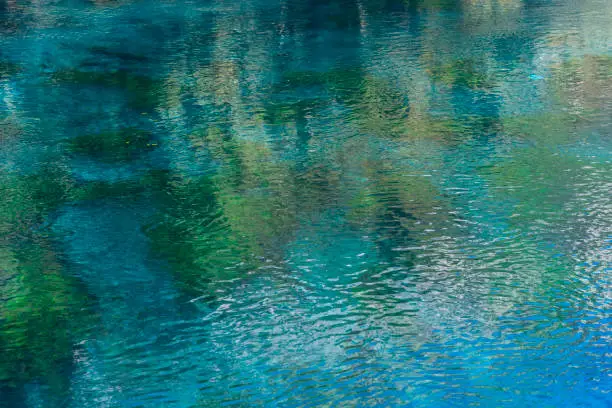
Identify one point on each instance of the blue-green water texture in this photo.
(305, 203)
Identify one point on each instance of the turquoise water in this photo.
(305, 203)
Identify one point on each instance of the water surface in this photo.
(305, 203)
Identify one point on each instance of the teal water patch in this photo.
(303, 203)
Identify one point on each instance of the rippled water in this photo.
(305, 203)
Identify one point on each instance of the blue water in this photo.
(304, 203)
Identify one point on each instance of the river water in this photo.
(287, 203)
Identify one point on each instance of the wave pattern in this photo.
(301, 203)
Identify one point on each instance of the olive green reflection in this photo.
(44, 312)
(117, 146)
(143, 92)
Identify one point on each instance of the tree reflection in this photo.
(44, 311)
(426, 131)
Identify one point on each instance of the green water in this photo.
(305, 203)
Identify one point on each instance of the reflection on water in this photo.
(304, 203)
